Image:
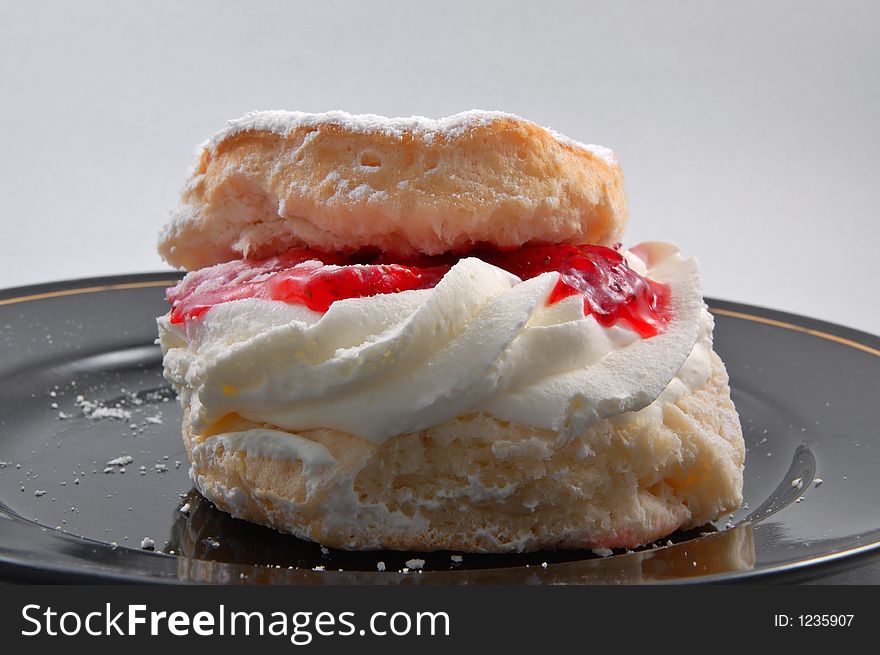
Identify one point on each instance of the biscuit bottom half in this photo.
(478, 484)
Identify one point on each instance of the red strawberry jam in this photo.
(612, 291)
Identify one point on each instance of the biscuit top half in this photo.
(276, 180)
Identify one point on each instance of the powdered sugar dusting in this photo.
(284, 122)
(98, 411)
(605, 154)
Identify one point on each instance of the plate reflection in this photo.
(215, 548)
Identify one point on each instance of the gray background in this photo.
(748, 131)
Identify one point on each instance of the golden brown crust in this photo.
(478, 484)
(334, 185)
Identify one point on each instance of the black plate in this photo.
(807, 393)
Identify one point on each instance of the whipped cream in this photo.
(482, 340)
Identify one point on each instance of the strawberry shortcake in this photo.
(424, 334)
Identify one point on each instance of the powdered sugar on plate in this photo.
(98, 411)
(284, 122)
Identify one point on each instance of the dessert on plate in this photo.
(424, 334)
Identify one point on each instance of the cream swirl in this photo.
(482, 340)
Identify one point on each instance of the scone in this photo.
(423, 335)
